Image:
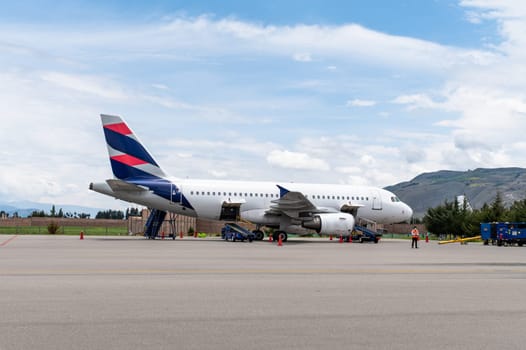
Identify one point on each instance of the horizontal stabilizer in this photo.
(123, 186)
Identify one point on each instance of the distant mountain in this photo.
(26, 208)
(480, 186)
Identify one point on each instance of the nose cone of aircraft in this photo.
(407, 212)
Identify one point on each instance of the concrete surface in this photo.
(60, 292)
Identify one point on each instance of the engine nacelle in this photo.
(331, 223)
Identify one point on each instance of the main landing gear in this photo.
(258, 235)
(277, 234)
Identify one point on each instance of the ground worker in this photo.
(415, 235)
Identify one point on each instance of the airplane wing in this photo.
(295, 205)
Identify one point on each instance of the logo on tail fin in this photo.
(128, 157)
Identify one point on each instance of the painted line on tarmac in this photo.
(6, 242)
(131, 272)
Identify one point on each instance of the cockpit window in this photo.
(395, 199)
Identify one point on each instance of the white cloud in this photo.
(187, 37)
(85, 84)
(415, 101)
(160, 86)
(302, 57)
(296, 160)
(361, 103)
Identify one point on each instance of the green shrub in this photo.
(52, 228)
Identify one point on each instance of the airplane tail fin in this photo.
(128, 157)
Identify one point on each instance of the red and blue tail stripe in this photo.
(129, 159)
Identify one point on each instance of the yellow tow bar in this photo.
(460, 240)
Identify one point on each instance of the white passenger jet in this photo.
(286, 207)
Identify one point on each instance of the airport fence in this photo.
(67, 226)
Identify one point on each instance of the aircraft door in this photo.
(377, 200)
(230, 211)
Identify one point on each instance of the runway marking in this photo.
(298, 271)
(4, 243)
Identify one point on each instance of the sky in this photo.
(353, 92)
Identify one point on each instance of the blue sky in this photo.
(360, 92)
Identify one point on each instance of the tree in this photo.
(497, 208)
(110, 214)
(455, 218)
(38, 214)
(132, 212)
(451, 218)
(517, 211)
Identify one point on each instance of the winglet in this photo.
(282, 191)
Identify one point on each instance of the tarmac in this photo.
(60, 292)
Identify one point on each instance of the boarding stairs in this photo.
(154, 223)
(367, 234)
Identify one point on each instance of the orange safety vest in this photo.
(415, 233)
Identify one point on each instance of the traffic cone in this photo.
(81, 234)
(427, 239)
(181, 234)
(162, 234)
(280, 241)
(270, 237)
(330, 237)
(341, 239)
(350, 238)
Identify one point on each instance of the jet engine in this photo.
(331, 223)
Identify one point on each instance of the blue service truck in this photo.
(234, 232)
(503, 233)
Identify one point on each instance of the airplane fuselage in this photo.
(208, 198)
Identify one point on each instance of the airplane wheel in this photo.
(283, 235)
(259, 235)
